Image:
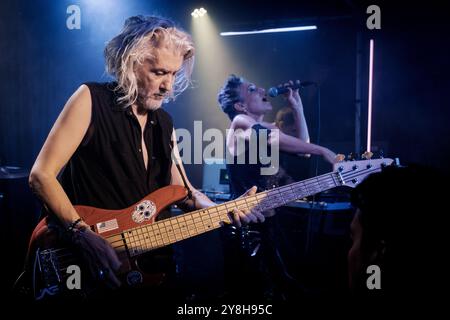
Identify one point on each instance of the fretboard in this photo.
(168, 231)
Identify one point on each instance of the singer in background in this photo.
(246, 104)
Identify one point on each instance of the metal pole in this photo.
(358, 94)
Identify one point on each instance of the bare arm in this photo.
(300, 123)
(286, 142)
(295, 102)
(294, 145)
(64, 138)
(302, 127)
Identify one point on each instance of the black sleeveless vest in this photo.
(107, 170)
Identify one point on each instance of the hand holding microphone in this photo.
(290, 91)
(276, 91)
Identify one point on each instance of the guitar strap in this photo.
(180, 171)
(184, 180)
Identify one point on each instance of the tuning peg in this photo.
(367, 155)
(340, 157)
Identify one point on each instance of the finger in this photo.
(236, 220)
(297, 83)
(253, 217)
(107, 256)
(249, 215)
(258, 214)
(251, 191)
(243, 218)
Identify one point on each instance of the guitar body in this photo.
(49, 254)
(132, 231)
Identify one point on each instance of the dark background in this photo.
(42, 63)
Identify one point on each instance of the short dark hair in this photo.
(229, 94)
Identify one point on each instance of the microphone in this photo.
(275, 91)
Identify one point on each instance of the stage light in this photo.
(274, 30)
(212, 54)
(198, 13)
(369, 104)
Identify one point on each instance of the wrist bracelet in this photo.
(73, 225)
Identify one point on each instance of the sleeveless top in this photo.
(243, 176)
(107, 170)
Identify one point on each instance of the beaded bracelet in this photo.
(73, 225)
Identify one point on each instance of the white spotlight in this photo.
(198, 13)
